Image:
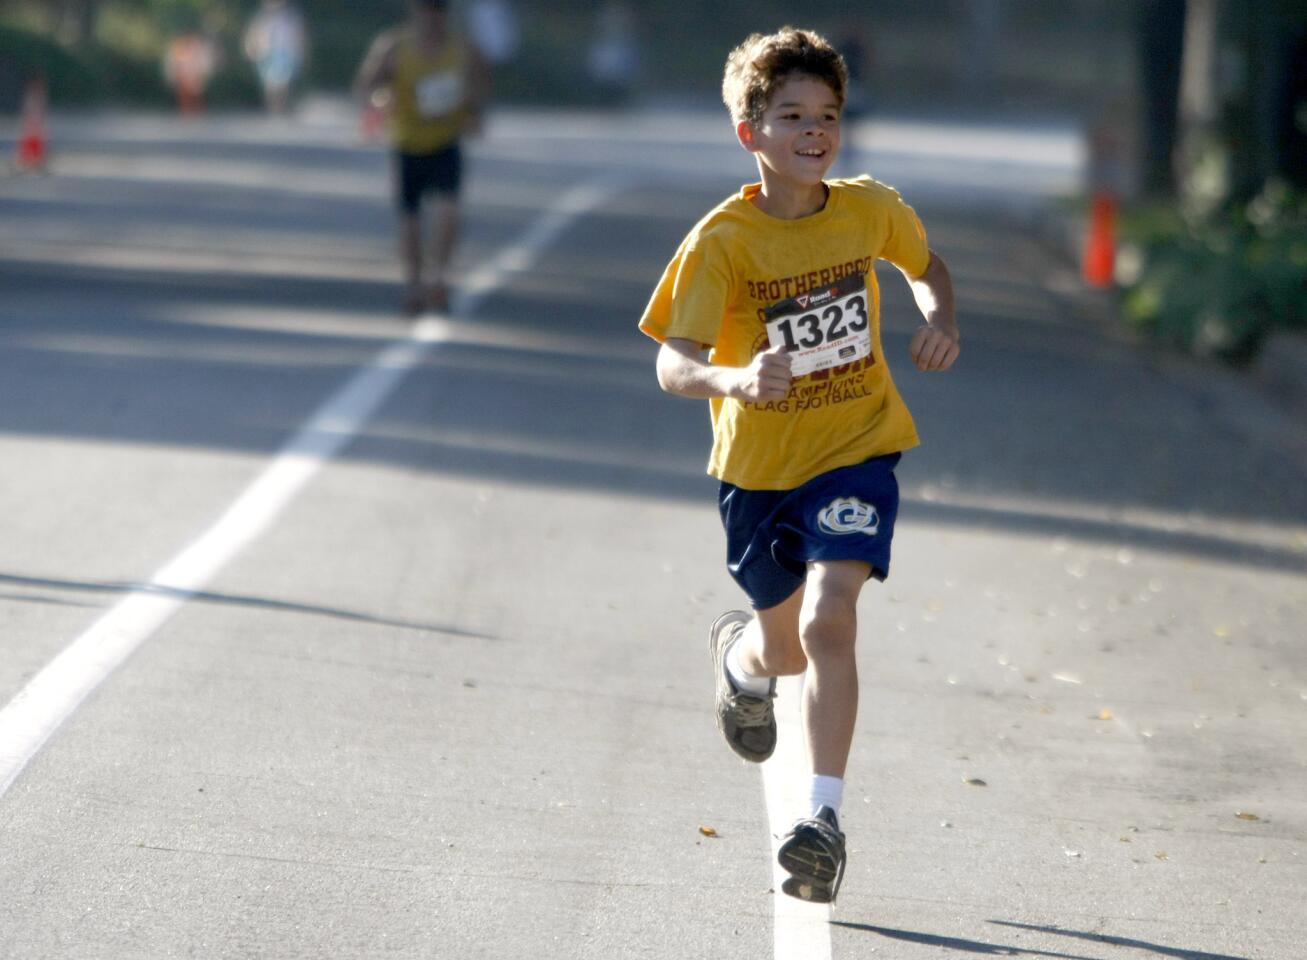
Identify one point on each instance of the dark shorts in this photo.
(846, 514)
(417, 174)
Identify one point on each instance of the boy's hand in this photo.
(767, 378)
(934, 347)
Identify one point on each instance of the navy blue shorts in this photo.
(418, 174)
(846, 514)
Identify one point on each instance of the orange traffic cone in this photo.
(31, 151)
(1099, 266)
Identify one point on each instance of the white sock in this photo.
(826, 792)
(744, 681)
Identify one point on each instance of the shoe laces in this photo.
(751, 711)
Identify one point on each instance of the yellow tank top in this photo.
(429, 95)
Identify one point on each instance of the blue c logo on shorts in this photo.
(849, 515)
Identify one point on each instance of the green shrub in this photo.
(1219, 287)
(25, 54)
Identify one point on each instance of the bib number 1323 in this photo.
(823, 328)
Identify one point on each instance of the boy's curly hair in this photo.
(761, 63)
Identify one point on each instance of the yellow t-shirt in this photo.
(814, 279)
(429, 95)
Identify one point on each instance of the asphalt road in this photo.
(422, 672)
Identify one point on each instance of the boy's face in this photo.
(799, 133)
(429, 17)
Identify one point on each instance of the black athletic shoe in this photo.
(748, 723)
(812, 853)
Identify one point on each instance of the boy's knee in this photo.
(828, 625)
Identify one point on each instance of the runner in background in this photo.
(493, 27)
(277, 44)
(437, 83)
(614, 58)
(859, 57)
(188, 63)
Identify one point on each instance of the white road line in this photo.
(802, 930)
(50, 697)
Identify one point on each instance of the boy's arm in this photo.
(682, 370)
(935, 345)
(377, 67)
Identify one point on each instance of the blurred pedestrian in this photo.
(437, 84)
(276, 42)
(614, 59)
(494, 30)
(854, 45)
(188, 64)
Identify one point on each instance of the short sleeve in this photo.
(905, 238)
(691, 298)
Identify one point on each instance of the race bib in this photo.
(823, 328)
(439, 94)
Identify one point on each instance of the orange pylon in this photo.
(31, 151)
(1099, 265)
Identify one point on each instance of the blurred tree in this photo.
(1201, 158)
(75, 20)
(1291, 111)
(1161, 43)
(1217, 80)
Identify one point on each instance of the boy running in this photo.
(777, 283)
(437, 84)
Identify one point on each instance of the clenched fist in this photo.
(934, 347)
(767, 378)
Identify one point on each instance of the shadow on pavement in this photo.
(1179, 953)
(979, 948)
(958, 944)
(227, 599)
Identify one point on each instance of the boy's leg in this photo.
(406, 177)
(828, 627)
(813, 851)
(410, 255)
(444, 228)
(769, 645)
(748, 653)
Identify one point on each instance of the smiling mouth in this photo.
(812, 152)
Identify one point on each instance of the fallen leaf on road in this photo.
(1104, 714)
(974, 782)
(708, 831)
(1161, 855)
(1244, 815)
